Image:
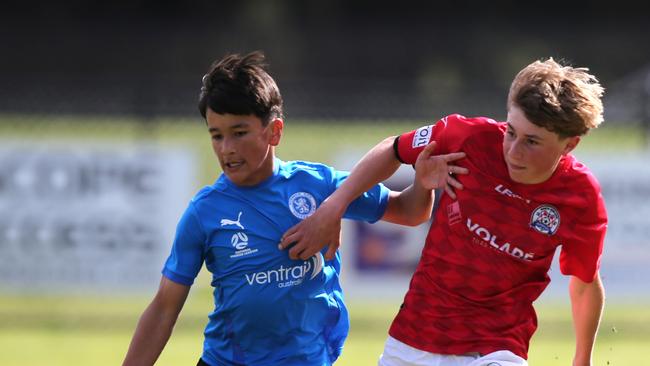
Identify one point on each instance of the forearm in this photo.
(151, 335)
(587, 300)
(376, 166)
(156, 323)
(411, 207)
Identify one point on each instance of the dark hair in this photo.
(240, 85)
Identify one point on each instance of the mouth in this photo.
(232, 165)
(515, 166)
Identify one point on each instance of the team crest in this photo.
(302, 205)
(545, 219)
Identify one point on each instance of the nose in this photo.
(514, 150)
(227, 146)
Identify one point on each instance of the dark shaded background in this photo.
(332, 59)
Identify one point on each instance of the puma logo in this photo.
(225, 222)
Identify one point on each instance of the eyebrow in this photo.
(534, 137)
(239, 125)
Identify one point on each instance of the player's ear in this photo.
(276, 125)
(573, 142)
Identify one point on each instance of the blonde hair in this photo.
(562, 99)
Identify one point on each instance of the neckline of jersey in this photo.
(276, 169)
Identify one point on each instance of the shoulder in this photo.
(456, 123)
(206, 193)
(463, 123)
(299, 169)
(579, 188)
(469, 121)
(203, 193)
(453, 131)
(458, 127)
(209, 195)
(581, 176)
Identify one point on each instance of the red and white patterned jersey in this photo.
(487, 254)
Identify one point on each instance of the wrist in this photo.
(417, 184)
(335, 206)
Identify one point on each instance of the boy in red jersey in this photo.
(488, 251)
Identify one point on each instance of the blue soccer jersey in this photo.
(269, 309)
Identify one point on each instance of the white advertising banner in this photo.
(79, 217)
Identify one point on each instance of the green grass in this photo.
(64, 330)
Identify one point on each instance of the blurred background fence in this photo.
(335, 60)
(101, 146)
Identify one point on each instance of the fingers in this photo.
(429, 148)
(305, 252)
(290, 236)
(453, 156)
(453, 182)
(427, 151)
(450, 192)
(331, 251)
(298, 251)
(303, 240)
(455, 169)
(302, 250)
(300, 247)
(333, 247)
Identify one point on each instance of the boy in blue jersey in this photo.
(269, 309)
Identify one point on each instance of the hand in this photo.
(311, 235)
(435, 171)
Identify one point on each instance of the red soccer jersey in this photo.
(487, 254)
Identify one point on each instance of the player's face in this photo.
(243, 146)
(532, 153)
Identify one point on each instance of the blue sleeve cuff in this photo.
(180, 279)
(383, 202)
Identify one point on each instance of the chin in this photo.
(234, 178)
(517, 177)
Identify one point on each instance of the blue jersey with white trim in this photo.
(269, 309)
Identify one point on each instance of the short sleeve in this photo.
(581, 253)
(187, 254)
(408, 146)
(370, 206)
(449, 133)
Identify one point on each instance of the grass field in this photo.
(94, 330)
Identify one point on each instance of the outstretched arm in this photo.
(156, 324)
(324, 226)
(587, 300)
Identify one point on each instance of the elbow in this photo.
(388, 141)
(424, 218)
(407, 219)
(418, 220)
